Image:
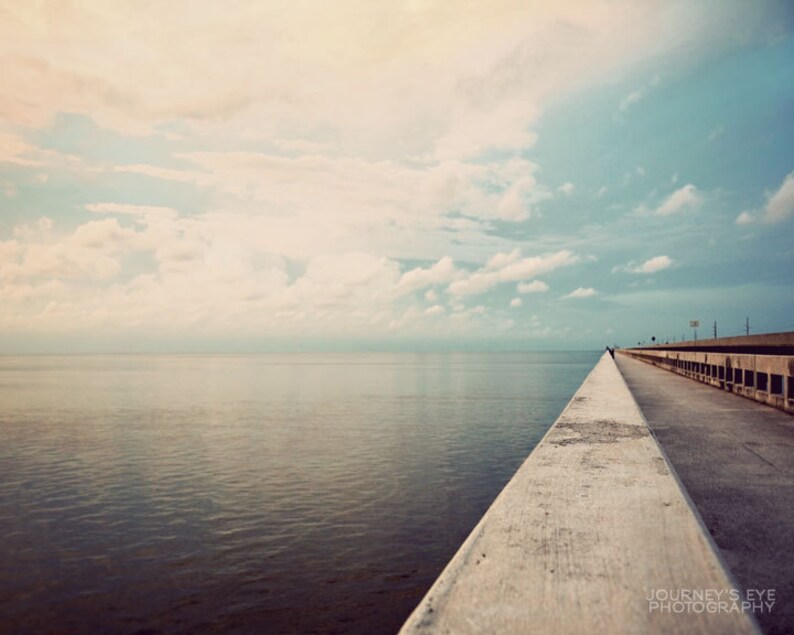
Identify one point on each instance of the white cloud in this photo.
(442, 271)
(657, 263)
(418, 80)
(567, 188)
(683, 199)
(370, 125)
(510, 268)
(652, 265)
(516, 204)
(780, 204)
(502, 260)
(536, 286)
(210, 281)
(638, 95)
(582, 292)
(16, 151)
(91, 252)
(603, 190)
(516, 302)
(716, 133)
(745, 218)
(132, 210)
(629, 100)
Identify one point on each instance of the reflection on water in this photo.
(256, 493)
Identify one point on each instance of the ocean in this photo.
(272, 493)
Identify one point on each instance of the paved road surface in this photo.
(735, 458)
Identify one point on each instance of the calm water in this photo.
(255, 493)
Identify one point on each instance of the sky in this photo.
(416, 175)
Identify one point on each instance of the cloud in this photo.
(581, 292)
(638, 95)
(566, 188)
(519, 200)
(655, 264)
(745, 218)
(502, 260)
(652, 265)
(516, 302)
(92, 252)
(510, 267)
(132, 210)
(629, 100)
(446, 83)
(16, 151)
(194, 276)
(536, 286)
(442, 271)
(780, 204)
(683, 199)
(377, 135)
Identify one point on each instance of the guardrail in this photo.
(765, 378)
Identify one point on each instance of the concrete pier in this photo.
(736, 460)
(592, 525)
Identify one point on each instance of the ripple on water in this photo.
(261, 493)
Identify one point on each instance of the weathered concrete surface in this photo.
(736, 460)
(591, 522)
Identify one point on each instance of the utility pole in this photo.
(747, 326)
(715, 329)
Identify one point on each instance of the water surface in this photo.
(301, 493)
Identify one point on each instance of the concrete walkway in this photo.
(736, 460)
(585, 538)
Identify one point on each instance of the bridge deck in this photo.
(736, 460)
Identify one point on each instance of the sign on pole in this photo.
(694, 324)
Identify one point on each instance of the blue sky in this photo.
(513, 176)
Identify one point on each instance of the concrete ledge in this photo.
(590, 523)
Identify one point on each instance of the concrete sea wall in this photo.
(590, 531)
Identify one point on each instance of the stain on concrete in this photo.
(661, 466)
(598, 431)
